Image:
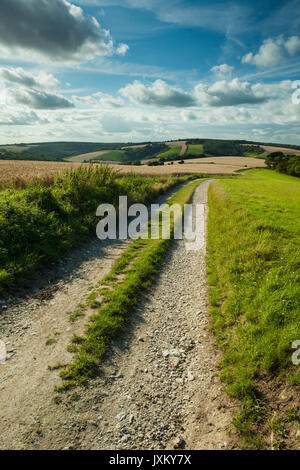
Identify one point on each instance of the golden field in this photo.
(12, 170)
(214, 165)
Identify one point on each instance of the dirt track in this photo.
(159, 386)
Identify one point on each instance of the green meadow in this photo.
(173, 151)
(195, 150)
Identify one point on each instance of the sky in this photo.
(141, 70)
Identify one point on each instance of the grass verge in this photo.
(253, 273)
(118, 295)
(42, 222)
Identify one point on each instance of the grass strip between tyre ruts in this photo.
(119, 293)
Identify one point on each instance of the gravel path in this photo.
(159, 386)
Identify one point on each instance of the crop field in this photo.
(210, 166)
(177, 142)
(11, 170)
(287, 151)
(85, 157)
(135, 146)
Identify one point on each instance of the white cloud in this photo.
(37, 99)
(158, 94)
(122, 49)
(273, 51)
(270, 53)
(12, 117)
(109, 101)
(222, 70)
(293, 45)
(24, 78)
(53, 30)
(100, 100)
(236, 92)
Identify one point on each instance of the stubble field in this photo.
(11, 170)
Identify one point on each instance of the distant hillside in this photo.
(59, 151)
(8, 155)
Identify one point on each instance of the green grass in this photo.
(40, 224)
(138, 266)
(253, 270)
(112, 155)
(195, 150)
(261, 156)
(174, 151)
(51, 341)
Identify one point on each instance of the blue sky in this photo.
(135, 70)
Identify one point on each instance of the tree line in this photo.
(288, 164)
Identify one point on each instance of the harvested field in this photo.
(87, 156)
(176, 142)
(288, 151)
(214, 165)
(11, 170)
(135, 146)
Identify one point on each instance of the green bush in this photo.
(38, 224)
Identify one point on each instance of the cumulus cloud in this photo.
(122, 49)
(55, 30)
(24, 78)
(273, 51)
(232, 93)
(222, 70)
(293, 45)
(17, 118)
(109, 101)
(37, 99)
(158, 94)
(100, 100)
